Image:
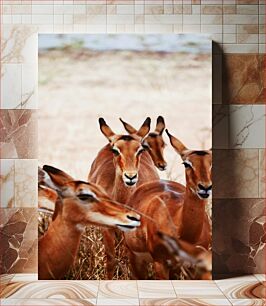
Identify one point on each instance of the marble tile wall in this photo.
(18, 183)
(238, 32)
(239, 236)
(18, 129)
(18, 232)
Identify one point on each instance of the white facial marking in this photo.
(101, 219)
(87, 192)
(128, 181)
(111, 221)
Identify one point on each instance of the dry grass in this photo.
(91, 260)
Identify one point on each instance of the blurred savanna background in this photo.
(84, 77)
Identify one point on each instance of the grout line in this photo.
(138, 291)
(97, 295)
(220, 289)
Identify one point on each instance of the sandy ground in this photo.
(76, 87)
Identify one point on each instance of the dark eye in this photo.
(115, 151)
(187, 165)
(140, 151)
(86, 197)
(145, 146)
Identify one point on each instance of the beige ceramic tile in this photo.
(156, 289)
(229, 9)
(229, 28)
(238, 176)
(247, 9)
(11, 85)
(25, 277)
(117, 302)
(26, 182)
(260, 277)
(29, 86)
(18, 133)
(19, 44)
(247, 126)
(242, 287)
(118, 289)
(7, 178)
(153, 9)
(48, 302)
(262, 177)
(51, 290)
(247, 38)
(5, 279)
(248, 302)
(247, 28)
(211, 9)
(211, 19)
(240, 48)
(184, 302)
(197, 289)
(229, 38)
(240, 19)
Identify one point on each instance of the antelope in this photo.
(78, 204)
(153, 142)
(189, 256)
(173, 209)
(119, 168)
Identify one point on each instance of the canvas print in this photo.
(125, 157)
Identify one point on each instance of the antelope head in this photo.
(153, 142)
(198, 165)
(83, 203)
(189, 255)
(127, 150)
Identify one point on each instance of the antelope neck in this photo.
(121, 193)
(192, 217)
(66, 232)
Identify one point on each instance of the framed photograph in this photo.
(125, 156)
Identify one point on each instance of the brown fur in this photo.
(172, 209)
(107, 170)
(153, 141)
(58, 247)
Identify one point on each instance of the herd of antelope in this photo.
(163, 223)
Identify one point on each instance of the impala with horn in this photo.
(153, 142)
(119, 168)
(176, 210)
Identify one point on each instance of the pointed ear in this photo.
(145, 128)
(106, 130)
(160, 125)
(129, 128)
(58, 178)
(176, 144)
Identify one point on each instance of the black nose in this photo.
(130, 177)
(132, 218)
(205, 188)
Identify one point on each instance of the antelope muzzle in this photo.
(130, 179)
